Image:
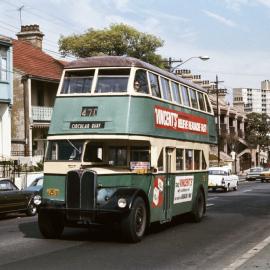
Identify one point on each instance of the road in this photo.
(236, 222)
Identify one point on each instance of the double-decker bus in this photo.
(129, 144)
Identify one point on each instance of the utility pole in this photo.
(171, 61)
(216, 82)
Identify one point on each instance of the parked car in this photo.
(221, 177)
(265, 175)
(254, 173)
(14, 200)
(36, 186)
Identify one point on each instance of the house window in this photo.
(3, 64)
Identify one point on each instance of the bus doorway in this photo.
(168, 193)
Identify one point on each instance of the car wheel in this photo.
(50, 225)
(32, 209)
(134, 224)
(198, 209)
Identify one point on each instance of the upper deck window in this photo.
(207, 104)
(112, 81)
(141, 82)
(201, 101)
(185, 95)
(154, 84)
(166, 89)
(76, 82)
(193, 98)
(176, 93)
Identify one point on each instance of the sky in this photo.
(233, 33)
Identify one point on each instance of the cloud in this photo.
(264, 2)
(237, 4)
(219, 18)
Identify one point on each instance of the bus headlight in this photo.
(37, 200)
(122, 203)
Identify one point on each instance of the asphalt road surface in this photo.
(236, 222)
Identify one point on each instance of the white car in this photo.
(221, 177)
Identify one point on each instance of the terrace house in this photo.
(36, 79)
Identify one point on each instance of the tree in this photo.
(257, 131)
(118, 40)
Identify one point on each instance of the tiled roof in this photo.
(33, 61)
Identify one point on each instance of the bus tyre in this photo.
(134, 224)
(199, 207)
(51, 226)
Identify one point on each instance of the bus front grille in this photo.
(80, 190)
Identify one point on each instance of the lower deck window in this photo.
(189, 159)
(118, 156)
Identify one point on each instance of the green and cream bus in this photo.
(129, 144)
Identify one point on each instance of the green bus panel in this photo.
(161, 191)
(127, 115)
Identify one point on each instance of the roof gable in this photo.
(33, 61)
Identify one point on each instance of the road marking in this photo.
(248, 255)
(247, 190)
(212, 198)
(209, 204)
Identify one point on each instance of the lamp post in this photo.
(172, 69)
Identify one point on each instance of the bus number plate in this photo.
(89, 111)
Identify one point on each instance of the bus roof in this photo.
(124, 61)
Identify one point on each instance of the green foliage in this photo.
(117, 40)
(258, 130)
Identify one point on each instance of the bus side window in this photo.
(175, 92)
(201, 101)
(189, 159)
(166, 89)
(204, 164)
(160, 161)
(179, 159)
(185, 95)
(140, 82)
(197, 159)
(154, 85)
(207, 104)
(193, 98)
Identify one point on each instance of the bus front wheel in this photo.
(134, 224)
(198, 208)
(50, 225)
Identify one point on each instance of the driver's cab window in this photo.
(93, 153)
(118, 156)
(140, 154)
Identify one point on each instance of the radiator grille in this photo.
(80, 190)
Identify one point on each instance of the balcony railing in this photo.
(41, 113)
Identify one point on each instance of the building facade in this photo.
(232, 148)
(36, 80)
(6, 96)
(252, 99)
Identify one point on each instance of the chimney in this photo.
(31, 34)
